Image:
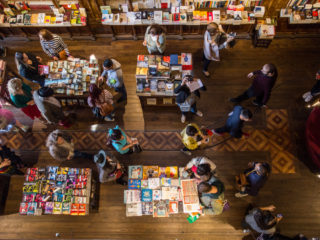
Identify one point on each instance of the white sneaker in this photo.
(206, 73)
(307, 96)
(183, 118)
(215, 133)
(240, 195)
(198, 113)
(107, 119)
(186, 152)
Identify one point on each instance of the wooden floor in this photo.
(295, 195)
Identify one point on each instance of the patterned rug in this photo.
(275, 139)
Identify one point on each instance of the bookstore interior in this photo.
(160, 189)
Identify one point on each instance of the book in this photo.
(74, 209)
(137, 19)
(190, 196)
(41, 17)
(31, 208)
(20, 19)
(160, 208)
(170, 193)
(154, 183)
(173, 207)
(47, 19)
(166, 182)
(43, 69)
(156, 194)
(150, 172)
(66, 208)
(133, 209)
(82, 209)
(135, 172)
(144, 184)
(132, 196)
(195, 84)
(146, 195)
(49, 208)
(158, 17)
(172, 172)
(123, 18)
(23, 208)
(147, 208)
(134, 184)
(57, 208)
(165, 17)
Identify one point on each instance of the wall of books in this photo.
(160, 192)
(56, 190)
(42, 13)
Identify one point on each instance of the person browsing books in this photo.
(113, 72)
(200, 166)
(122, 143)
(192, 138)
(234, 123)
(109, 168)
(187, 99)
(28, 67)
(53, 45)
(10, 163)
(215, 39)
(155, 39)
(261, 87)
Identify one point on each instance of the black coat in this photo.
(184, 92)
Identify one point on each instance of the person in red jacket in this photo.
(263, 82)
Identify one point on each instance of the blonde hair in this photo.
(14, 86)
(46, 34)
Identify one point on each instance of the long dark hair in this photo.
(94, 93)
(18, 58)
(156, 29)
(265, 219)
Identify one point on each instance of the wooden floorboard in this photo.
(295, 195)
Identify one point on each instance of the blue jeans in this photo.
(78, 154)
(206, 63)
(193, 109)
(123, 91)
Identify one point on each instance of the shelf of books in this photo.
(42, 14)
(157, 76)
(160, 192)
(56, 190)
(302, 12)
(70, 79)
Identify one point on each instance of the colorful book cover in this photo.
(154, 183)
(135, 172)
(146, 195)
(134, 184)
(74, 209)
(82, 209)
(49, 208)
(147, 208)
(166, 182)
(160, 208)
(23, 208)
(150, 172)
(156, 194)
(172, 172)
(57, 208)
(144, 184)
(173, 207)
(31, 208)
(162, 172)
(66, 208)
(132, 196)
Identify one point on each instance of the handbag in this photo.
(63, 55)
(241, 180)
(106, 109)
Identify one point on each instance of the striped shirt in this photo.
(54, 46)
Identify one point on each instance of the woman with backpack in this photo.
(187, 100)
(252, 179)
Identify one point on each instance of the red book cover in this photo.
(209, 16)
(164, 5)
(82, 209)
(23, 208)
(186, 67)
(74, 209)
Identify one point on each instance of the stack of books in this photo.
(158, 191)
(159, 75)
(71, 77)
(56, 190)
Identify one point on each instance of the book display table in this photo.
(71, 79)
(160, 192)
(157, 76)
(56, 190)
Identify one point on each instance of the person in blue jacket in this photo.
(235, 121)
(120, 141)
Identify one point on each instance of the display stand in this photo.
(159, 101)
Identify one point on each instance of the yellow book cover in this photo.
(137, 71)
(47, 19)
(53, 20)
(143, 71)
(172, 172)
(34, 18)
(196, 15)
(73, 21)
(150, 172)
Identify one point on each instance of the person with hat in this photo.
(28, 65)
(48, 105)
(61, 147)
(315, 90)
(109, 168)
(253, 179)
(215, 39)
